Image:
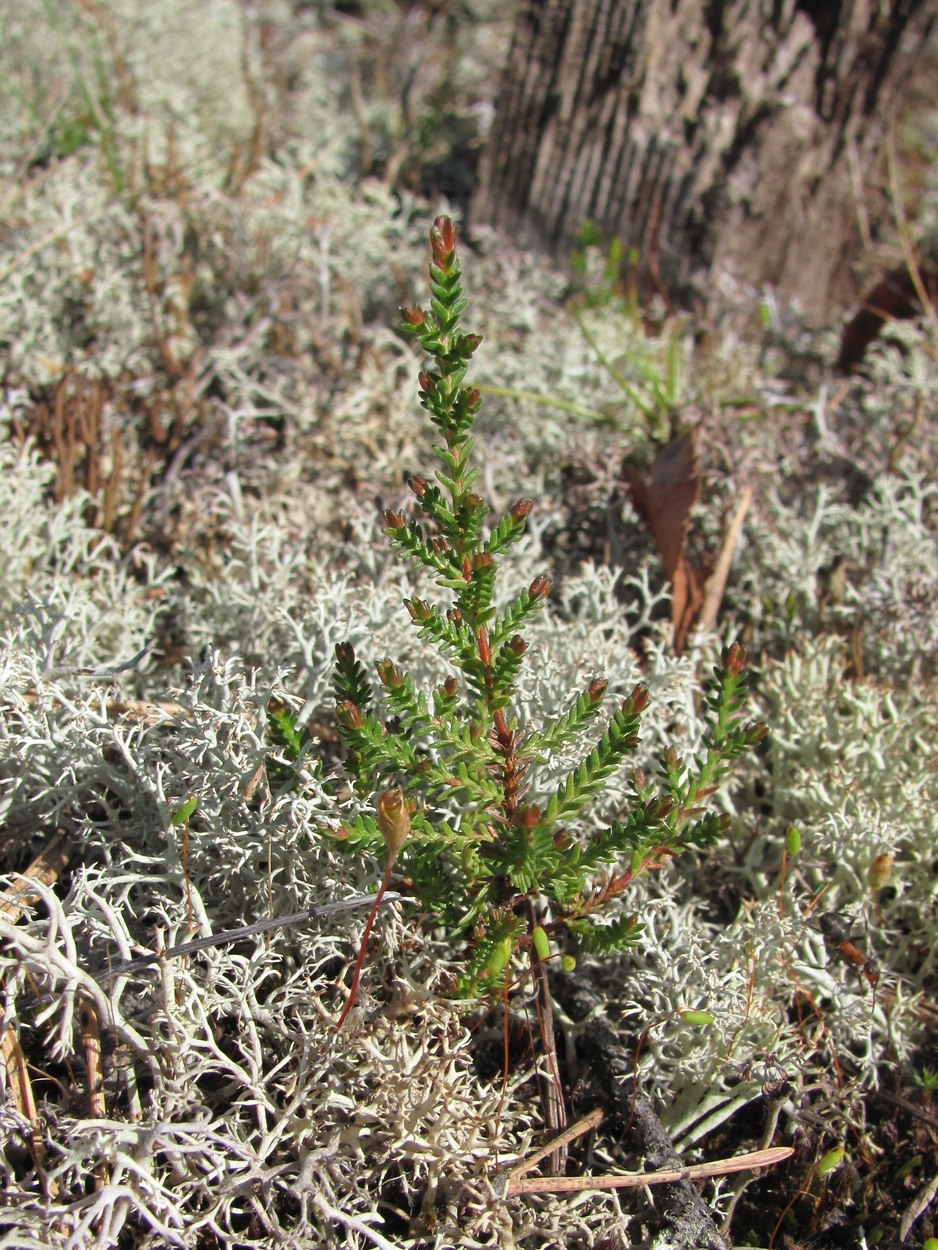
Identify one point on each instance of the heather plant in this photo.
(490, 839)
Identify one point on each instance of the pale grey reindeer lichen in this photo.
(219, 1091)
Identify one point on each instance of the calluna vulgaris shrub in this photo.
(459, 792)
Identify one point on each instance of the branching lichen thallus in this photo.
(449, 779)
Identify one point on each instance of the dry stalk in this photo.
(45, 869)
(666, 1176)
(716, 585)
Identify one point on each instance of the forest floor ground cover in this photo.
(208, 220)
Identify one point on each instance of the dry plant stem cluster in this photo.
(483, 816)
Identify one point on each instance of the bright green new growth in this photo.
(511, 870)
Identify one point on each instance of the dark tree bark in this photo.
(740, 138)
(690, 1224)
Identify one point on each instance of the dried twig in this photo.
(560, 1142)
(20, 1088)
(555, 1113)
(917, 1207)
(146, 711)
(666, 1176)
(16, 898)
(689, 1220)
(247, 930)
(904, 1104)
(45, 869)
(716, 584)
(94, 1075)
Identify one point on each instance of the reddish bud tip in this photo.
(521, 509)
(734, 658)
(541, 587)
(442, 240)
(482, 640)
(393, 520)
(393, 820)
(671, 757)
(528, 817)
(465, 345)
(516, 645)
(418, 609)
(450, 687)
(758, 732)
(413, 317)
(417, 484)
(345, 653)
(348, 714)
(638, 699)
(427, 383)
(389, 674)
(597, 690)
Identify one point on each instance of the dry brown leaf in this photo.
(894, 298)
(664, 500)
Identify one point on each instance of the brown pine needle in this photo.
(634, 1180)
(591, 1121)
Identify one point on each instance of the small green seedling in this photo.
(184, 812)
(833, 1159)
(697, 1018)
(496, 851)
(179, 819)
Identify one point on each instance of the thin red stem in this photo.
(369, 924)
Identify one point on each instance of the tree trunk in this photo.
(734, 139)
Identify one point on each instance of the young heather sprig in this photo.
(494, 855)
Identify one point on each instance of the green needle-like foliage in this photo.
(512, 861)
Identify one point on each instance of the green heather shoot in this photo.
(511, 872)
